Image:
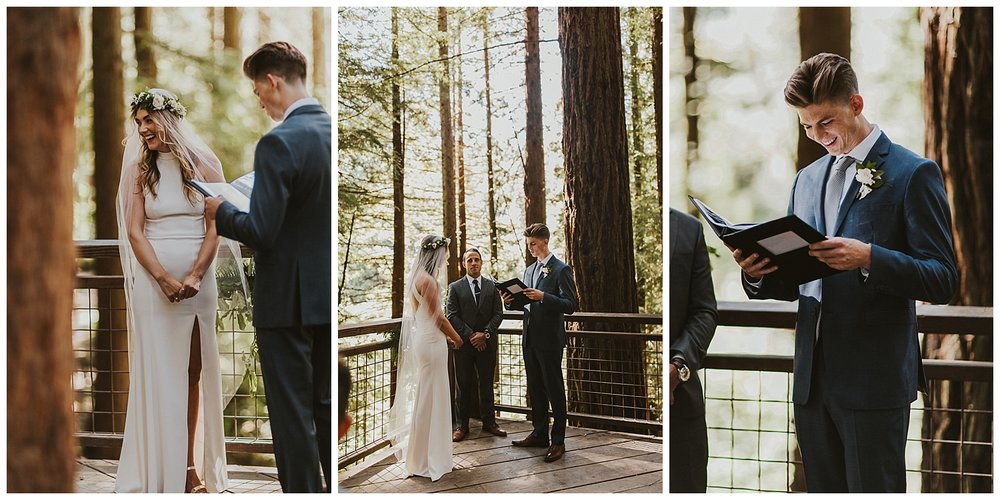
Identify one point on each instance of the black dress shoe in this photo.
(459, 434)
(555, 452)
(532, 442)
(495, 430)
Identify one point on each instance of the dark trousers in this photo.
(688, 454)
(849, 450)
(543, 369)
(474, 371)
(296, 362)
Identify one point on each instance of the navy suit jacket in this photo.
(544, 325)
(693, 310)
(289, 222)
(468, 317)
(871, 350)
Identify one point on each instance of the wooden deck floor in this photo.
(596, 461)
(98, 476)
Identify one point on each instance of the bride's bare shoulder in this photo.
(424, 283)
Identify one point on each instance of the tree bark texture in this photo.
(447, 147)
(145, 55)
(821, 29)
(398, 199)
(43, 54)
(604, 377)
(958, 107)
(111, 352)
(658, 98)
(534, 158)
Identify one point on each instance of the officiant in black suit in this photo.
(552, 292)
(288, 227)
(475, 311)
(693, 317)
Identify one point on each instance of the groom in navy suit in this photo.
(289, 229)
(888, 225)
(552, 291)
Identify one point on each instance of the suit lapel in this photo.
(878, 153)
(484, 291)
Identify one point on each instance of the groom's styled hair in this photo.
(822, 78)
(277, 58)
(537, 230)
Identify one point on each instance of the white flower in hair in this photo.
(158, 102)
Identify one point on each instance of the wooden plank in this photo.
(516, 473)
(647, 482)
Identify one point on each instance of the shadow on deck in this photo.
(98, 476)
(596, 461)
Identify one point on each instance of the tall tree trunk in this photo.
(821, 29)
(144, 55)
(447, 146)
(692, 98)
(111, 353)
(958, 107)
(534, 161)
(231, 34)
(598, 209)
(319, 59)
(263, 26)
(463, 236)
(637, 149)
(490, 175)
(658, 98)
(43, 53)
(398, 214)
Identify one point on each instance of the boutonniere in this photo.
(869, 177)
(546, 270)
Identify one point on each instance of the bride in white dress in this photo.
(420, 417)
(173, 428)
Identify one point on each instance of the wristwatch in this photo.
(682, 370)
(487, 335)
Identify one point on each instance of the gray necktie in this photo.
(835, 193)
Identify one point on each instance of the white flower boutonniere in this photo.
(869, 177)
(546, 270)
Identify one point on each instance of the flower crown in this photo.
(436, 243)
(157, 102)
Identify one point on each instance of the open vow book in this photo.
(236, 192)
(515, 288)
(785, 240)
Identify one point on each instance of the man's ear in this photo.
(857, 104)
(273, 80)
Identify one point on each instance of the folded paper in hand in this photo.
(236, 192)
(785, 241)
(515, 288)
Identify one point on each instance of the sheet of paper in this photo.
(514, 289)
(783, 243)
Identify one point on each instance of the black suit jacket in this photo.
(544, 325)
(871, 351)
(468, 317)
(693, 312)
(289, 222)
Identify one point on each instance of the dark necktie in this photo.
(475, 286)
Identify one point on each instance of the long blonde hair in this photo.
(167, 126)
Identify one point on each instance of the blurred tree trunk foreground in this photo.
(43, 54)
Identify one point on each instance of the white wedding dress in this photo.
(429, 451)
(154, 451)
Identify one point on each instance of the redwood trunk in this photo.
(145, 57)
(958, 107)
(43, 54)
(490, 177)
(821, 29)
(603, 377)
(111, 352)
(398, 200)
(447, 147)
(534, 161)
